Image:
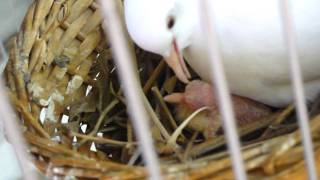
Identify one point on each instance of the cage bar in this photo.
(298, 90)
(220, 82)
(131, 86)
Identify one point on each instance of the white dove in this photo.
(251, 42)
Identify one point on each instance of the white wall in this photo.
(11, 15)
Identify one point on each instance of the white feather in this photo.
(253, 48)
(252, 44)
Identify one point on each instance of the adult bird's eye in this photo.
(171, 22)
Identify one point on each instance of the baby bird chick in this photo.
(200, 94)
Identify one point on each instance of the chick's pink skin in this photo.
(199, 94)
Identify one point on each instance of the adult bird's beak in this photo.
(177, 64)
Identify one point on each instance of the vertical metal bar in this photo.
(12, 129)
(220, 82)
(300, 100)
(131, 87)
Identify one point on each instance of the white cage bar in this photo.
(298, 90)
(220, 82)
(131, 86)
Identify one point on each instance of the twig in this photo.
(102, 140)
(282, 116)
(219, 140)
(155, 74)
(28, 116)
(163, 105)
(178, 131)
(159, 125)
(189, 145)
(100, 120)
(154, 118)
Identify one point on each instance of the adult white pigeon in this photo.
(251, 41)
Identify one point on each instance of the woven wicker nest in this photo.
(61, 80)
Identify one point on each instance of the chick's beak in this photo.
(177, 64)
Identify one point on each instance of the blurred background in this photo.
(11, 16)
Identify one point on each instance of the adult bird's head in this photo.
(162, 27)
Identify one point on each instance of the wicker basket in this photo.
(60, 78)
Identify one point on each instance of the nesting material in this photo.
(63, 84)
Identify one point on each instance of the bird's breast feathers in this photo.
(253, 49)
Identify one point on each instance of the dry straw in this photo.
(61, 80)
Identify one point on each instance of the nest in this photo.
(63, 85)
